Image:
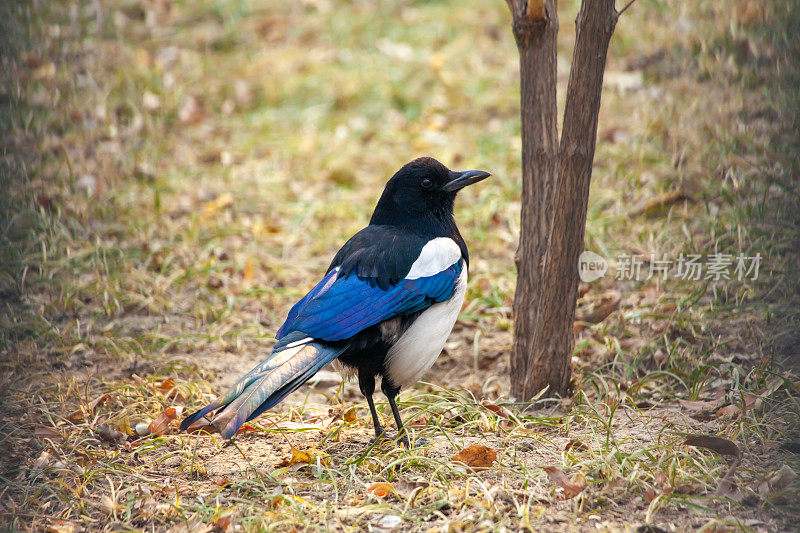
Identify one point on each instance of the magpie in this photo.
(385, 306)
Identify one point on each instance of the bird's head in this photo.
(422, 189)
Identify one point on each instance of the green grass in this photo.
(177, 177)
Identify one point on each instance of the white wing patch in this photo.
(437, 255)
(298, 343)
(417, 350)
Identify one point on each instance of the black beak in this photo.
(459, 180)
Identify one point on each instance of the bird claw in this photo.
(383, 439)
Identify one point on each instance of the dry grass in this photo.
(178, 173)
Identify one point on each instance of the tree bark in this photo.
(555, 187)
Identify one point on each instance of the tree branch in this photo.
(621, 11)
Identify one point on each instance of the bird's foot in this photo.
(384, 439)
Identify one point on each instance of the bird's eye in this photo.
(426, 183)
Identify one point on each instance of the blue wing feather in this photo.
(339, 307)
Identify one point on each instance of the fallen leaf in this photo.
(63, 526)
(654, 205)
(42, 461)
(380, 489)
(174, 412)
(159, 425)
(777, 481)
(165, 386)
(751, 401)
(729, 411)
(497, 409)
(419, 423)
(715, 444)
(576, 445)
(161, 422)
(44, 432)
(571, 487)
(663, 481)
(308, 456)
(726, 487)
(90, 409)
(221, 481)
(409, 489)
(350, 415)
(245, 428)
(108, 434)
(597, 310)
(223, 522)
(97, 402)
(476, 456)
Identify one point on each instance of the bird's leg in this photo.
(366, 383)
(391, 393)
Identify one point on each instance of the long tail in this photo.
(266, 385)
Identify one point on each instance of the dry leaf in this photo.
(42, 461)
(91, 408)
(223, 522)
(658, 203)
(419, 423)
(476, 456)
(715, 444)
(499, 410)
(165, 386)
(307, 456)
(350, 415)
(729, 411)
(777, 481)
(722, 446)
(97, 402)
(63, 526)
(161, 423)
(44, 432)
(663, 482)
(597, 310)
(380, 489)
(108, 434)
(245, 428)
(571, 487)
(409, 489)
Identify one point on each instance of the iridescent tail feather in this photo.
(266, 385)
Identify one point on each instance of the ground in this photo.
(177, 174)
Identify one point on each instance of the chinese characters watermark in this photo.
(695, 267)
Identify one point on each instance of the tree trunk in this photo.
(555, 187)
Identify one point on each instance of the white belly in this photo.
(418, 348)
